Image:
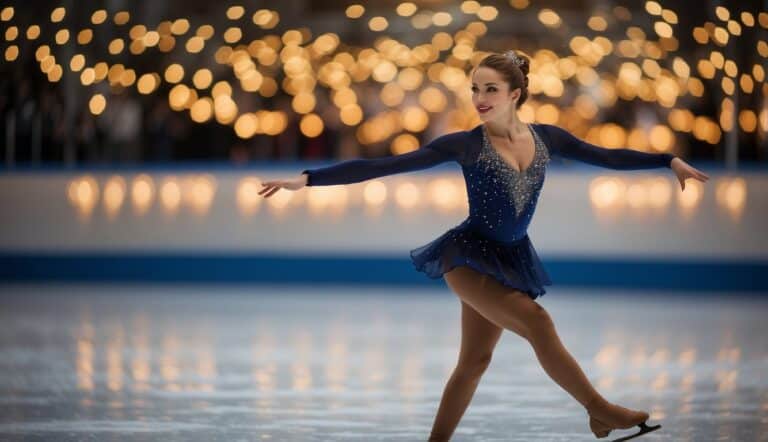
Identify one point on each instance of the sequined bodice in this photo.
(501, 199)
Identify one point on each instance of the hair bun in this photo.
(521, 61)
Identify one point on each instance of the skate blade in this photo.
(643, 429)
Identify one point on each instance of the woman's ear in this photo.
(514, 94)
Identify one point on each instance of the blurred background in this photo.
(143, 130)
(149, 292)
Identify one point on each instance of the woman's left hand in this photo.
(684, 171)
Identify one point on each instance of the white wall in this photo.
(37, 214)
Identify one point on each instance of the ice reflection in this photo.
(199, 364)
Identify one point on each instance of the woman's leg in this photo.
(478, 339)
(516, 311)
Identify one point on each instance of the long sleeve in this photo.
(567, 145)
(449, 147)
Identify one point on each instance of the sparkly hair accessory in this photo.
(515, 59)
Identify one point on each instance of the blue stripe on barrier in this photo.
(619, 273)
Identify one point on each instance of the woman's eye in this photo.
(491, 89)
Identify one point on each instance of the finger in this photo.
(274, 191)
(265, 190)
(702, 174)
(697, 172)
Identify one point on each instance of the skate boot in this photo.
(605, 417)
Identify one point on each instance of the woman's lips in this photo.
(483, 110)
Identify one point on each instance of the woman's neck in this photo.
(511, 129)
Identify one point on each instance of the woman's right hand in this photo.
(270, 187)
(684, 171)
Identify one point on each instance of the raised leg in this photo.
(516, 311)
(478, 339)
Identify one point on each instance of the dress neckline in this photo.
(501, 158)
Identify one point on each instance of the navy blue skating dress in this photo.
(493, 239)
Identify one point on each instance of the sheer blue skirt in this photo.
(513, 264)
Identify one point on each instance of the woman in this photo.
(488, 260)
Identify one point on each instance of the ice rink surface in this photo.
(354, 363)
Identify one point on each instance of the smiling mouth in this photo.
(482, 109)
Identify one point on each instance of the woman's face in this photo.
(490, 94)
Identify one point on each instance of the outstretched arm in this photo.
(449, 147)
(354, 171)
(567, 145)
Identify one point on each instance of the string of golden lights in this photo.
(434, 72)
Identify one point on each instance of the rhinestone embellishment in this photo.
(520, 186)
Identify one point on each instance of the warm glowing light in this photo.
(7, 13)
(731, 194)
(235, 12)
(378, 24)
(406, 9)
(202, 110)
(83, 193)
(221, 88)
(748, 120)
(114, 195)
(77, 63)
(489, 13)
(180, 26)
(42, 52)
(607, 192)
(151, 39)
(199, 193)
(58, 14)
(97, 104)
(549, 18)
(122, 18)
(170, 195)
(311, 125)
(148, 83)
(404, 143)
(33, 32)
(653, 8)
(174, 73)
(442, 19)
(11, 53)
(407, 195)
(355, 11)
(88, 76)
(225, 109)
(722, 13)
(62, 36)
(98, 17)
(84, 37)
(116, 46)
(195, 44)
(202, 78)
(246, 125)
(248, 198)
(446, 195)
(142, 193)
(233, 35)
(351, 114)
(597, 23)
(11, 33)
(375, 193)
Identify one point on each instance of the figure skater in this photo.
(488, 259)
